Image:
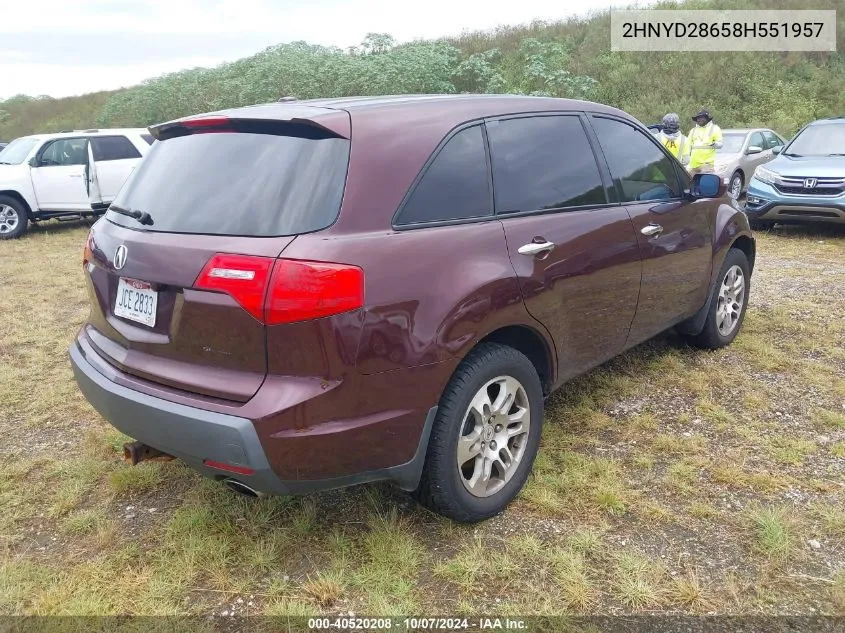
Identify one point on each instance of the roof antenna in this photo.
(286, 99)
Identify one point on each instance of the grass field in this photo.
(669, 480)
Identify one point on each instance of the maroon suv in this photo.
(299, 296)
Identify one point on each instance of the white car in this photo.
(64, 175)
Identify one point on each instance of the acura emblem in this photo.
(810, 183)
(120, 257)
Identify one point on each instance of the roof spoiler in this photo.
(298, 127)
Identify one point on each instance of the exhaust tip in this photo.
(242, 489)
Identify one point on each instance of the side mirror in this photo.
(705, 186)
(777, 149)
(754, 149)
(33, 162)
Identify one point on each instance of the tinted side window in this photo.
(455, 186)
(543, 162)
(757, 139)
(113, 148)
(640, 169)
(772, 140)
(67, 151)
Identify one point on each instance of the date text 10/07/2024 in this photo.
(417, 624)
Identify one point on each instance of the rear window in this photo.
(237, 184)
(113, 148)
(455, 186)
(543, 162)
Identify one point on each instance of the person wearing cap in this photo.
(673, 139)
(703, 140)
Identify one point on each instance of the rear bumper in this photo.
(775, 206)
(195, 435)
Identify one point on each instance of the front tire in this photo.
(728, 303)
(13, 218)
(735, 186)
(485, 436)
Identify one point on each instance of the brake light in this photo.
(301, 290)
(284, 290)
(242, 276)
(208, 124)
(87, 255)
(209, 121)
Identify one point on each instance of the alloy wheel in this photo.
(735, 188)
(494, 435)
(8, 219)
(731, 300)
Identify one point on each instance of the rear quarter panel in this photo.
(430, 294)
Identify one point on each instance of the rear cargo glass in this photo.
(237, 184)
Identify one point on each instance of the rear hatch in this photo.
(183, 271)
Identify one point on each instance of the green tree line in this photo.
(570, 58)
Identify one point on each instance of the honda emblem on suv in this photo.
(120, 257)
(810, 183)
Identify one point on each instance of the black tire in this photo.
(22, 220)
(711, 337)
(736, 176)
(761, 225)
(441, 486)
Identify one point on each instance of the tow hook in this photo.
(134, 452)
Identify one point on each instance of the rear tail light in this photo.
(284, 290)
(89, 244)
(241, 276)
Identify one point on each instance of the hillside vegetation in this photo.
(567, 59)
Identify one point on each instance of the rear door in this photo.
(673, 231)
(59, 175)
(178, 292)
(114, 157)
(573, 248)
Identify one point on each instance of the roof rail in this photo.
(90, 130)
(287, 99)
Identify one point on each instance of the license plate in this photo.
(136, 300)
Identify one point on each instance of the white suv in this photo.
(63, 175)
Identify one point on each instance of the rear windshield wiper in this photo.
(791, 154)
(836, 154)
(142, 216)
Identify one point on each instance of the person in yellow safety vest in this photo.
(672, 138)
(704, 139)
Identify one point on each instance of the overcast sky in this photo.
(67, 47)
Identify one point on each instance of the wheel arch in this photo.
(731, 235)
(747, 245)
(12, 193)
(532, 344)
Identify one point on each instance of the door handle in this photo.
(651, 230)
(76, 175)
(533, 248)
